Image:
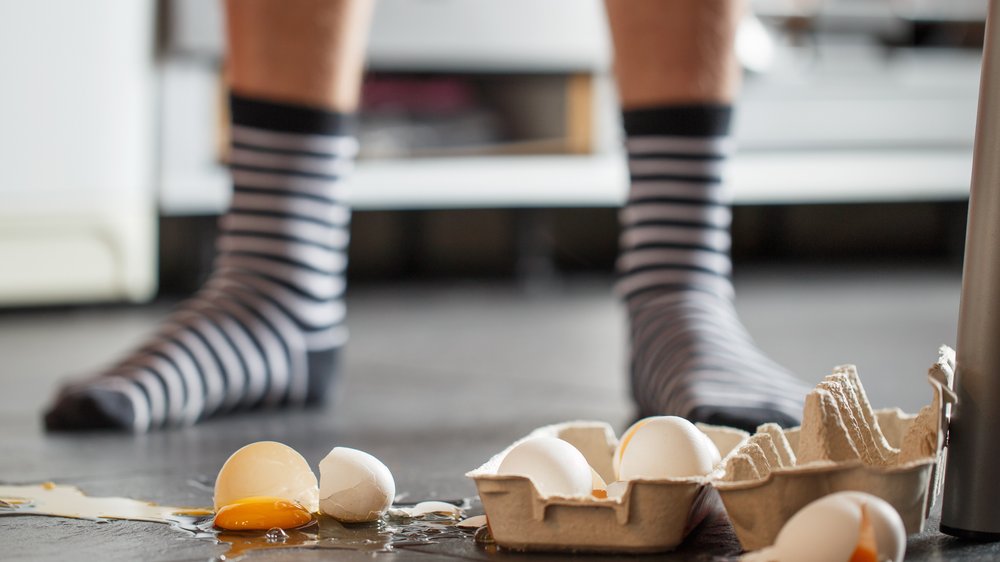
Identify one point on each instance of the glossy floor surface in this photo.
(437, 378)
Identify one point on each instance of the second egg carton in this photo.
(842, 444)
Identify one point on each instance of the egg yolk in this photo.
(867, 549)
(600, 494)
(261, 513)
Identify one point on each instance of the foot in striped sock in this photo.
(266, 328)
(690, 354)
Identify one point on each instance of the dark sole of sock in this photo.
(747, 419)
(323, 369)
(101, 410)
(94, 410)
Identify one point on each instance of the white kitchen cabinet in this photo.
(77, 181)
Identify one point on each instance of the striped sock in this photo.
(266, 328)
(690, 354)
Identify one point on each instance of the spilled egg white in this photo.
(354, 486)
(830, 530)
(555, 467)
(266, 468)
(664, 447)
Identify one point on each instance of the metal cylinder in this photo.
(971, 503)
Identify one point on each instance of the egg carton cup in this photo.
(842, 444)
(648, 516)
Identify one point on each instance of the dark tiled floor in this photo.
(437, 379)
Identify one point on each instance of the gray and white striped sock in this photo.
(690, 355)
(265, 329)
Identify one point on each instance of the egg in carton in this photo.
(842, 444)
(637, 516)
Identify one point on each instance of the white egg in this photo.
(354, 486)
(664, 447)
(830, 529)
(266, 468)
(555, 467)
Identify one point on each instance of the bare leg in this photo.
(677, 77)
(675, 52)
(266, 329)
(307, 52)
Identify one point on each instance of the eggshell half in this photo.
(890, 533)
(555, 467)
(266, 468)
(354, 486)
(826, 530)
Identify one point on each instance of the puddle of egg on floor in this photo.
(424, 523)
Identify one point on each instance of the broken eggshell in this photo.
(423, 509)
(890, 533)
(836, 528)
(473, 522)
(354, 486)
(266, 469)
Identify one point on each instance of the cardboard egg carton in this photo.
(648, 516)
(842, 444)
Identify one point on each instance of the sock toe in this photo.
(89, 410)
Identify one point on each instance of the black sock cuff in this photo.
(289, 118)
(694, 120)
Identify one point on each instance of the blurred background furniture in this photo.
(483, 125)
(77, 151)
